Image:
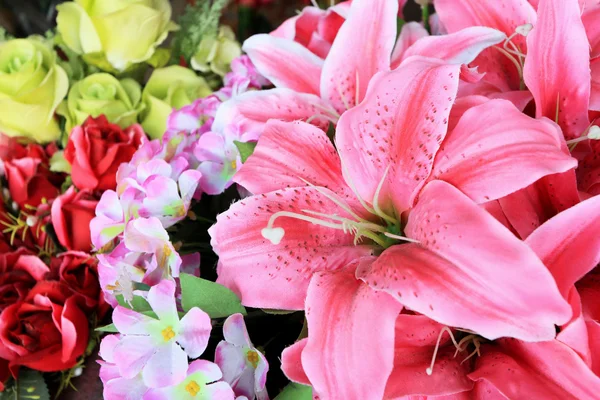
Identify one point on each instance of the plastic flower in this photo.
(216, 53)
(311, 89)
(316, 214)
(97, 94)
(202, 382)
(147, 235)
(159, 348)
(114, 35)
(113, 212)
(244, 76)
(169, 88)
(196, 118)
(244, 367)
(168, 200)
(115, 386)
(32, 86)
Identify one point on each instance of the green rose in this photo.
(167, 89)
(114, 34)
(104, 94)
(32, 85)
(216, 54)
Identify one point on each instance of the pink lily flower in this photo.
(569, 245)
(202, 382)
(244, 367)
(159, 348)
(316, 213)
(115, 386)
(314, 28)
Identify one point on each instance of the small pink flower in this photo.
(115, 386)
(112, 214)
(244, 75)
(159, 348)
(244, 367)
(201, 382)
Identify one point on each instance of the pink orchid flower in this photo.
(115, 386)
(113, 212)
(243, 76)
(159, 348)
(148, 236)
(119, 271)
(202, 382)
(196, 118)
(244, 367)
(167, 200)
(394, 190)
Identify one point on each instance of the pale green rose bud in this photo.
(118, 100)
(216, 54)
(167, 89)
(114, 34)
(32, 85)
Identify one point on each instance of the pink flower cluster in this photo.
(446, 245)
(148, 359)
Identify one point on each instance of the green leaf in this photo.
(214, 299)
(138, 303)
(277, 312)
(295, 391)
(108, 328)
(31, 385)
(245, 148)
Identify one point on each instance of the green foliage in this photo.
(245, 148)
(199, 20)
(138, 303)
(214, 299)
(30, 385)
(4, 36)
(295, 391)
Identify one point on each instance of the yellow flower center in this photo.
(192, 388)
(252, 357)
(234, 164)
(168, 333)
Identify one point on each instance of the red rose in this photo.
(71, 215)
(79, 271)
(46, 332)
(19, 272)
(27, 171)
(97, 148)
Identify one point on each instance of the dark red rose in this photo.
(46, 332)
(71, 215)
(27, 171)
(97, 148)
(19, 272)
(79, 271)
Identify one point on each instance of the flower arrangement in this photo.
(351, 206)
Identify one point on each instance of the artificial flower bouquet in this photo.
(381, 209)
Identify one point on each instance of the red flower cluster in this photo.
(50, 295)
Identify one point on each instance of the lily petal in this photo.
(341, 312)
(461, 47)
(249, 263)
(462, 249)
(545, 370)
(285, 62)
(557, 68)
(496, 150)
(291, 362)
(361, 48)
(399, 126)
(411, 32)
(252, 110)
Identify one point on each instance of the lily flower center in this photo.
(386, 232)
(469, 338)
